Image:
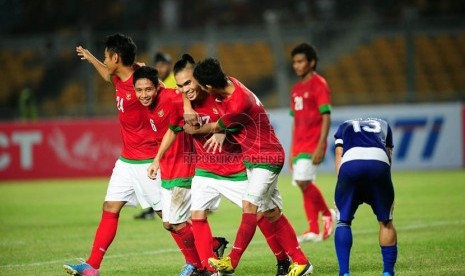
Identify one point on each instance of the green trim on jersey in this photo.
(177, 182)
(326, 108)
(271, 168)
(292, 113)
(174, 128)
(242, 176)
(131, 161)
(302, 155)
(224, 127)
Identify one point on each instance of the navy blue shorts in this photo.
(364, 181)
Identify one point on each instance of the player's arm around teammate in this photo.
(263, 157)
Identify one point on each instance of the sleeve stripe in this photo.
(221, 124)
(325, 109)
(174, 128)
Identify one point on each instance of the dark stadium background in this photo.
(372, 52)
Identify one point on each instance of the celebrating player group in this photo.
(185, 148)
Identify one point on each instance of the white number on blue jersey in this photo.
(368, 126)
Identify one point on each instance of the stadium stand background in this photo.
(371, 52)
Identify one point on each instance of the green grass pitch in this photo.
(44, 224)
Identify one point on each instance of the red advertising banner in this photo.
(54, 149)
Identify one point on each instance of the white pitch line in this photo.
(171, 250)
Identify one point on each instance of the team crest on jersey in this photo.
(306, 95)
(161, 113)
(215, 111)
(128, 96)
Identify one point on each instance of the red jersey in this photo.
(309, 100)
(164, 114)
(247, 120)
(228, 162)
(138, 142)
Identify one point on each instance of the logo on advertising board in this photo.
(87, 152)
(426, 136)
(68, 148)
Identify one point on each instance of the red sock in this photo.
(286, 236)
(104, 235)
(320, 202)
(203, 240)
(185, 240)
(243, 237)
(269, 232)
(311, 209)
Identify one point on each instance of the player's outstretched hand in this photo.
(153, 169)
(215, 142)
(83, 53)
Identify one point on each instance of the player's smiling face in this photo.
(187, 84)
(302, 66)
(145, 91)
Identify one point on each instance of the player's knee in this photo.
(273, 214)
(344, 223)
(249, 207)
(168, 226)
(303, 184)
(386, 223)
(112, 206)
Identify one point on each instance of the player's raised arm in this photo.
(99, 66)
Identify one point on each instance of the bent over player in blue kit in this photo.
(363, 165)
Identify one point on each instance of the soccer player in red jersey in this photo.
(221, 173)
(165, 106)
(128, 183)
(263, 156)
(311, 109)
(216, 174)
(164, 66)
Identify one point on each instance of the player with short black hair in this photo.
(128, 184)
(311, 111)
(263, 156)
(165, 107)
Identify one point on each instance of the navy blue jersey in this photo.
(365, 174)
(365, 133)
